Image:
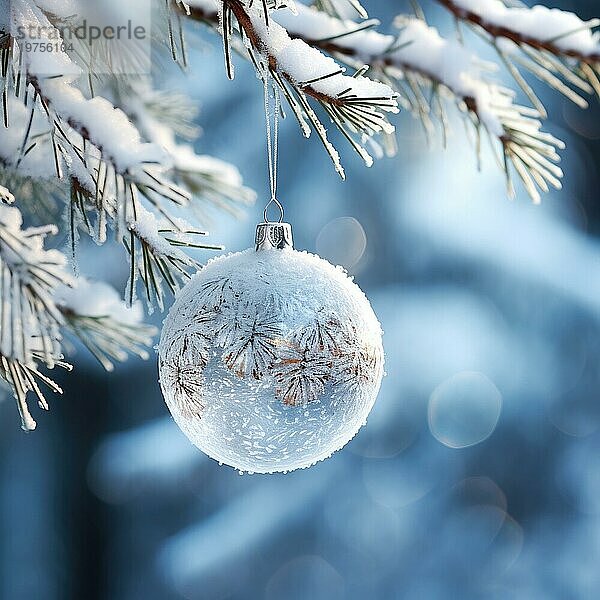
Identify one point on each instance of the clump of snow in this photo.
(88, 298)
(107, 127)
(447, 61)
(30, 244)
(11, 218)
(303, 63)
(146, 227)
(312, 24)
(562, 28)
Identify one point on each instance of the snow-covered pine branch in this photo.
(41, 301)
(98, 317)
(424, 68)
(156, 251)
(357, 105)
(94, 144)
(62, 142)
(417, 62)
(161, 117)
(556, 46)
(29, 274)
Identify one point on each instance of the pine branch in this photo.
(94, 313)
(116, 162)
(556, 46)
(356, 105)
(39, 300)
(25, 378)
(159, 116)
(29, 319)
(413, 63)
(29, 274)
(101, 197)
(156, 258)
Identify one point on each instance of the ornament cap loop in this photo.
(274, 236)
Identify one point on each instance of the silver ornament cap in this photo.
(274, 236)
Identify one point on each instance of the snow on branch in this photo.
(97, 316)
(5, 196)
(357, 105)
(109, 164)
(30, 320)
(116, 161)
(417, 62)
(40, 300)
(159, 116)
(29, 274)
(424, 68)
(556, 46)
(156, 257)
(52, 75)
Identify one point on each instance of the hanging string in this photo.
(272, 114)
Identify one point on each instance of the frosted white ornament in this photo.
(270, 359)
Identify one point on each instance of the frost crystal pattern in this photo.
(271, 360)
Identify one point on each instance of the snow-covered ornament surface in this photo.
(270, 360)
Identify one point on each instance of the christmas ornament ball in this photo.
(270, 360)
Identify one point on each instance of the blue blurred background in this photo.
(478, 474)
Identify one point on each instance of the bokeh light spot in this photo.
(342, 242)
(464, 409)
